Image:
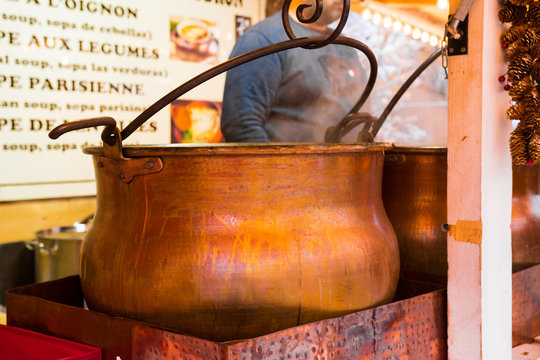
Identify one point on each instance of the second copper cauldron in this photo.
(414, 196)
(228, 242)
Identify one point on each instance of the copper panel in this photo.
(525, 305)
(394, 331)
(409, 329)
(55, 308)
(155, 344)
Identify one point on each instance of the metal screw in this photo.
(463, 49)
(122, 176)
(451, 50)
(100, 164)
(149, 165)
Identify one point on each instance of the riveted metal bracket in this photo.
(125, 169)
(459, 44)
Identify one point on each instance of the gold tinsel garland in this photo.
(521, 43)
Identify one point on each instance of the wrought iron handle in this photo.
(239, 60)
(377, 125)
(314, 17)
(107, 135)
(372, 125)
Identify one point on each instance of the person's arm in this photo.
(249, 92)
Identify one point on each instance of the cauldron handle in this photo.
(372, 124)
(109, 137)
(113, 160)
(108, 134)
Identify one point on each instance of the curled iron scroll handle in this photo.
(107, 135)
(373, 125)
(314, 17)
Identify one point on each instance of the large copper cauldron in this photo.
(233, 241)
(228, 242)
(414, 196)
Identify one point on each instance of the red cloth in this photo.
(21, 344)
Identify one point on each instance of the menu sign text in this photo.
(64, 60)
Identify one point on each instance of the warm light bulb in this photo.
(398, 25)
(376, 19)
(416, 34)
(433, 40)
(425, 37)
(366, 14)
(407, 29)
(387, 22)
(442, 4)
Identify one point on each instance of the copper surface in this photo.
(414, 328)
(525, 305)
(235, 242)
(414, 196)
(409, 329)
(525, 216)
(56, 308)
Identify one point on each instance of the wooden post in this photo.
(479, 195)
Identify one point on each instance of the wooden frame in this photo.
(479, 195)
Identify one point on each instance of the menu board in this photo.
(64, 60)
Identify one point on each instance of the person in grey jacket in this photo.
(293, 95)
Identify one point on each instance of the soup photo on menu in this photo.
(195, 121)
(193, 40)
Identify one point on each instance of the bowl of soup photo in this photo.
(204, 118)
(193, 33)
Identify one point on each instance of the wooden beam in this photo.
(479, 195)
(21, 219)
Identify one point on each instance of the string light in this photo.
(442, 4)
(398, 25)
(407, 29)
(366, 14)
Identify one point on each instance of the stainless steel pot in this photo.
(57, 251)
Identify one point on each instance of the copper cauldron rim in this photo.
(243, 149)
(419, 148)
